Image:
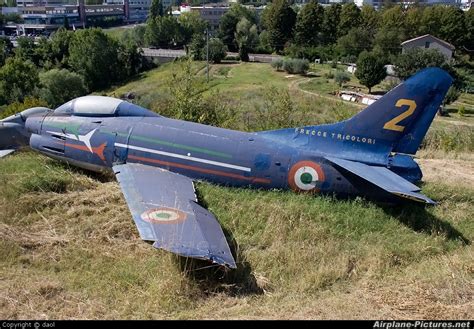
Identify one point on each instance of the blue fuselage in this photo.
(293, 158)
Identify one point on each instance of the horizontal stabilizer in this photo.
(164, 208)
(384, 179)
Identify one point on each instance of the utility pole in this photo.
(207, 54)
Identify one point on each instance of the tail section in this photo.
(397, 122)
(402, 117)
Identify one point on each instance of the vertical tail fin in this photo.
(402, 117)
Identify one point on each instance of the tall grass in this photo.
(450, 138)
(69, 247)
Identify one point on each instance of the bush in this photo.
(309, 53)
(232, 58)
(277, 110)
(342, 77)
(60, 86)
(349, 59)
(187, 100)
(462, 111)
(17, 107)
(217, 50)
(329, 75)
(296, 66)
(451, 96)
(278, 64)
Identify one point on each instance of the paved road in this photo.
(175, 53)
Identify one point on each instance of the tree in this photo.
(349, 18)
(370, 70)
(217, 50)
(152, 32)
(416, 59)
(156, 9)
(309, 25)
(197, 47)
(60, 42)
(453, 27)
(163, 32)
(26, 50)
(170, 31)
(279, 21)
(354, 42)
(413, 18)
(228, 24)
(389, 40)
(59, 86)
(191, 23)
(18, 79)
(131, 60)
(393, 18)
(369, 19)
(469, 46)
(94, 55)
(6, 48)
(431, 20)
(330, 23)
(264, 45)
(134, 36)
(246, 37)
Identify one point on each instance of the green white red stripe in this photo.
(184, 157)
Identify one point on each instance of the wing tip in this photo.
(414, 196)
(4, 153)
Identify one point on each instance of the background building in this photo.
(428, 41)
(138, 10)
(211, 14)
(40, 15)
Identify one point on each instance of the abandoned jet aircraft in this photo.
(156, 159)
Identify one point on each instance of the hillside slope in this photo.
(70, 250)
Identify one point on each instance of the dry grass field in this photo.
(70, 250)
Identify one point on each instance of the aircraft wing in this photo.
(384, 179)
(165, 210)
(4, 153)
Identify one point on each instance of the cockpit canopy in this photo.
(101, 106)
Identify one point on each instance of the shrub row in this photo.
(292, 65)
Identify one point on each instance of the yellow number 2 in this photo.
(392, 124)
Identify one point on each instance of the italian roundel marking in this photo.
(163, 215)
(305, 176)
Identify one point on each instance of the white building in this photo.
(428, 41)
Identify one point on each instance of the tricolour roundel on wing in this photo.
(305, 176)
(163, 215)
